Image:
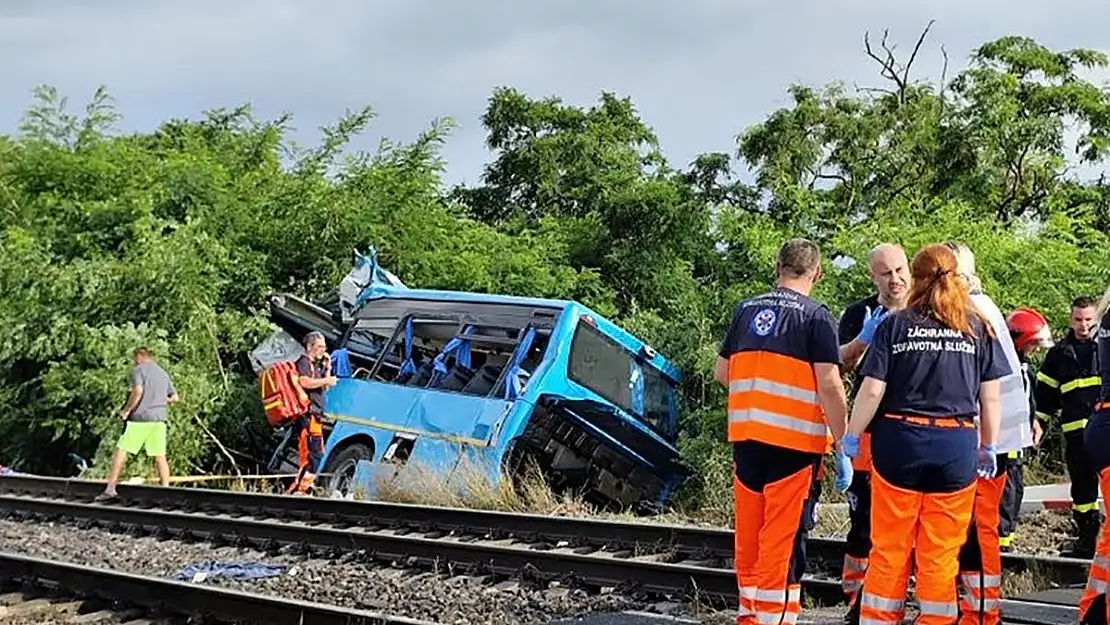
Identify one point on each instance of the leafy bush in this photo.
(173, 238)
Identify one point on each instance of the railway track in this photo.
(46, 591)
(673, 561)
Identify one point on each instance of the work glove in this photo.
(871, 320)
(849, 445)
(844, 472)
(987, 463)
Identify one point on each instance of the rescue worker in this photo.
(889, 270)
(930, 370)
(314, 376)
(1093, 607)
(1030, 332)
(980, 579)
(780, 361)
(1068, 386)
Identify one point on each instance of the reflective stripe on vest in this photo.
(1041, 377)
(1080, 383)
(772, 398)
(1072, 426)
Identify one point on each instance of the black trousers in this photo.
(1081, 471)
(859, 512)
(1012, 497)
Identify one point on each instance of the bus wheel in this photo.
(342, 466)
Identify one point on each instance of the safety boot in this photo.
(852, 616)
(1087, 525)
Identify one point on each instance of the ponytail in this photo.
(941, 292)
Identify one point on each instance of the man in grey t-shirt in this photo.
(152, 392)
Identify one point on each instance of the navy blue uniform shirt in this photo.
(851, 324)
(785, 322)
(1096, 436)
(931, 370)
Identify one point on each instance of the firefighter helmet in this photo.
(1029, 327)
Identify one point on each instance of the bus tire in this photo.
(341, 466)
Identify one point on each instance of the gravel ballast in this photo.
(439, 597)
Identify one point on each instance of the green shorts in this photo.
(147, 435)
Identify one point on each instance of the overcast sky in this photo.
(699, 71)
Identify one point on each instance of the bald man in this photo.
(889, 270)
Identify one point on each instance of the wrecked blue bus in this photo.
(434, 378)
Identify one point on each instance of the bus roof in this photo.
(379, 291)
(626, 338)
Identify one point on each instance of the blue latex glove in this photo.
(844, 472)
(849, 446)
(871, 320)
(987, 462)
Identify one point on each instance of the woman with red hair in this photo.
(931, 379)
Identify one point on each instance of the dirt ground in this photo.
(1043, 533)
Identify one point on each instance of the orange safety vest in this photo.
(772, 398)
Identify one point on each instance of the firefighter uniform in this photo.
(1093, 608)
(924, 461)
(308, 430)
(778, 432)
(980, 579)
(859, 491)
(1068, 385)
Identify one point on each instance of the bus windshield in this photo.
(603, 366)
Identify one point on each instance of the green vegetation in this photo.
(173, 238)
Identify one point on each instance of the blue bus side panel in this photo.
(345, 430)
(443, 422)
(440, 414)
(367, 407)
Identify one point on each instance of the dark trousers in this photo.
(1012, 497)
(1081, 471)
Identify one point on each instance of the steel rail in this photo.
(691, 542)
(478, 556)
(224, 605)
(714, 583)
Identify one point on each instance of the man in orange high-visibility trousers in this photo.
(889, 270)
(781, 364)
(980, 577)
(1093, 607)
(314, 376)
(930, 370)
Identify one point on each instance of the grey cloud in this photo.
(699, 71)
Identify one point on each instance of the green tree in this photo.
(174, 238)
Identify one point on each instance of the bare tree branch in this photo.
(916, 49)
(874, 90)
(943, 82)
(890, 68)
(888, 65)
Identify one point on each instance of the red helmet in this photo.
(1029, 327)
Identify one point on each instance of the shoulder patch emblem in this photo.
(763, 323)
